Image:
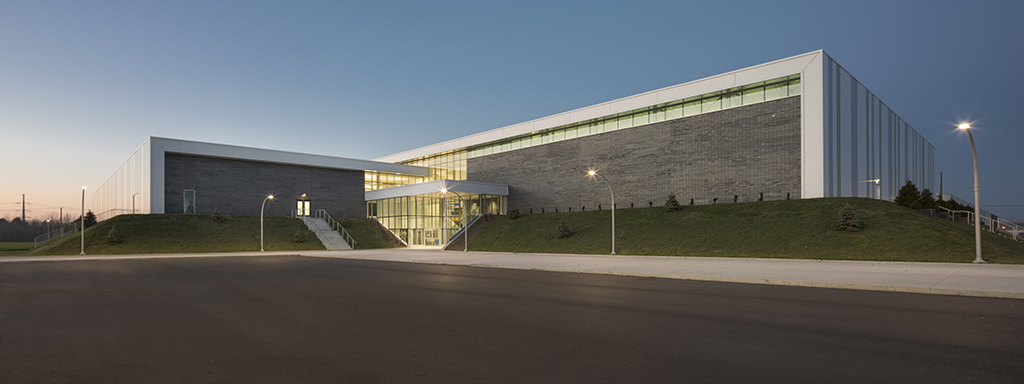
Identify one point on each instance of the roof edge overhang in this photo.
(437, 186)
(224, 151)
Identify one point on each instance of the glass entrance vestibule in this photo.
(432, 218)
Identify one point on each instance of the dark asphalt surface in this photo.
(295, 319)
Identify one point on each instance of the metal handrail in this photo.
(322, 214)
(458, 233)
(110, 213)
(55, 234)
(1011, 228)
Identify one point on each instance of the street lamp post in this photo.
(878, 185)
(977, 197)
(269, 197)
(465, 218)
(83, 221)
(592, 174)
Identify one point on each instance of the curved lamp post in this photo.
(878, 185)
(465, 217)
(269, 197)
(83, 221)
(592, 174)
(977, 198)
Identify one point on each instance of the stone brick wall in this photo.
(742, 151)
(238, 187)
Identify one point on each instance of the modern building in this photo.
(799, 127)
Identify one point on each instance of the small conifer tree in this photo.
(927, 200)
(671, 204)
(344, 220)
(114, 237)
(847, 220)
(217, 217)
(563, 230)
(298, 237)
(907, 195)
(90, 219)
(513, 213)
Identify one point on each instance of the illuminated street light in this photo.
(465, 217)
(593, 173)
(83, 221)
(269, 197)
(977, 197)
(877, 184)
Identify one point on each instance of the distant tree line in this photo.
(16, 230)
(908, 196)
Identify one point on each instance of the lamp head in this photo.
(964, 126)
(83, 188)
(591, 173)
(444, 191)
(271, 197)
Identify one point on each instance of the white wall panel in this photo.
(590, 113)
(631, 103)
(812, 156)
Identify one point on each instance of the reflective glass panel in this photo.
(641, 119)
(733, 100)
(674, 112)
(776, 91)
(794, 87)
(691, 108)
(625, 122)
(712, 104)
(753, 95)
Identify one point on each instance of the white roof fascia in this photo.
(767, 71)
(436, 186)
(185, 147)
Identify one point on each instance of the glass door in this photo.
(302, 207)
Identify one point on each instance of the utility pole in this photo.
(22, 207)
(940, 184)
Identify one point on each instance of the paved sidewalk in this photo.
(988, 280)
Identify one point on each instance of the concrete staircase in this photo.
(330, 238)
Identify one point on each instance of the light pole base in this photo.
(979, 261)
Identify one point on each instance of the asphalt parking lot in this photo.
(301, 319)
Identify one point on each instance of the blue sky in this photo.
(84, 83)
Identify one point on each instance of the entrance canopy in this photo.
(436, 186)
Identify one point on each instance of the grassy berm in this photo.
(173, 233)
(366, 234)
(795, 229)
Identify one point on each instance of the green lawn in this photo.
(179, 233)
(366, 234)
(799, 229)
(15, 248)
